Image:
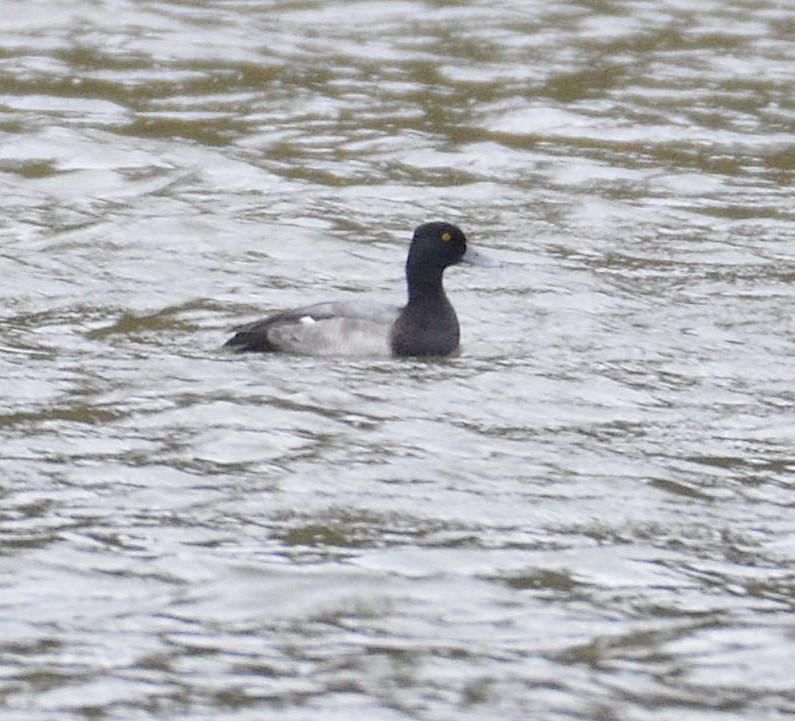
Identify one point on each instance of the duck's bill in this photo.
(475, 257)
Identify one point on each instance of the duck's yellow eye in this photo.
(446, 237)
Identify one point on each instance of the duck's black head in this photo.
(434, 246)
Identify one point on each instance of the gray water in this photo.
(586, 514)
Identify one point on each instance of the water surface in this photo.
(586, 514)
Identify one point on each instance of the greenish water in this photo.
(587, 514)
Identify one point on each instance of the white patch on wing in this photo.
(308, 320)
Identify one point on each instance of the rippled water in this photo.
(587, 514)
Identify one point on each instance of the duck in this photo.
(427, 326)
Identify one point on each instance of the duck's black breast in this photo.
(425, 329)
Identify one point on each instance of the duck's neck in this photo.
(424, 286)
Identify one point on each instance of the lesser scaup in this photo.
(426, 326)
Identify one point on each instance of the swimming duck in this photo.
(426, 326)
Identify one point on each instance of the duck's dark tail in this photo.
(252, 338)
